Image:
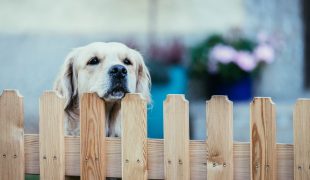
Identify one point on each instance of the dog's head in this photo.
(109, 69)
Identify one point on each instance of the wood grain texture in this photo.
(197, 151)
(220, 138)
(11, 136)
(176, 138)
(302, 139)
(263, 139)
(134, 137)
(92, 115)
(51, 127)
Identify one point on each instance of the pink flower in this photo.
(223, 54)
(245, 61)
(265, 53)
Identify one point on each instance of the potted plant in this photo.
(228, 64)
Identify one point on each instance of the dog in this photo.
(109, 69)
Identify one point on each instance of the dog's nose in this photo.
(118, 71)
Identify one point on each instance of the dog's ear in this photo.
(66, 81)
(143, 79)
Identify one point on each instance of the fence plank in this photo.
(52, 153)
(92, 114)
(198, 158)
(11, 136)
(134, 137)
(176, 142)
(302, 139)
(220, 138)
(263, 139)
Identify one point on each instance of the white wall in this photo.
(119, 16)
(283, 20)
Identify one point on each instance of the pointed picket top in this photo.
(219, 98)
(220, 138)
(12, 106)
(134, 96)
(263, 138)
(266, 99)
(11, 92)
(303, 99)
(51, 93)
(301, 125)
(89, 96)
(180, 97)
(12, 97)
(301, 103)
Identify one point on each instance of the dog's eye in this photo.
(127, 61)
(93, 61)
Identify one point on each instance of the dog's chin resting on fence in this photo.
(109, 69)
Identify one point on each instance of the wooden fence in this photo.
(134, 156)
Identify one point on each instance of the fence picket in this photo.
(302, 140)
(93, 146)
(135, 157)
(220, 138)
(134, 137)
(11, 136)
(52, 153)
(176, 142)
(263, 139)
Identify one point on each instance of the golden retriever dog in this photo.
(109, 69)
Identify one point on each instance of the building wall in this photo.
(119, 17)
(283, 21)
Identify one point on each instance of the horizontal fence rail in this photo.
(155, 150)
(134, 156)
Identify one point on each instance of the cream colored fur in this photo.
(76, 77)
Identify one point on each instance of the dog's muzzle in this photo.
(118, 87)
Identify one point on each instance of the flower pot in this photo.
(240, 90)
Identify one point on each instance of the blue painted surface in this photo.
(177, 85)
(241, 90)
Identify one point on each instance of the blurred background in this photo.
(240, 48)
